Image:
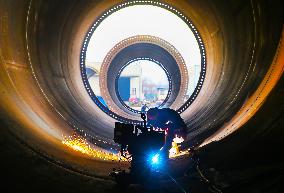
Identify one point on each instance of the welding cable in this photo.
(176, 183)
(212, 187)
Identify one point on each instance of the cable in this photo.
(211, 185)
(177, 184)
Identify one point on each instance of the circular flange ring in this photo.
(132, 41)
(127, 4)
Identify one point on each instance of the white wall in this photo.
(135, 82)
(94, 83)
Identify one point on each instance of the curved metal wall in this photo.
(43, 94)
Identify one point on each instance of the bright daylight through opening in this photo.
(143, 20)
(147, 82)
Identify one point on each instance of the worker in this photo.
(169, 121)
(144, 108)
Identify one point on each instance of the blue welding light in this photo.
(155, 159)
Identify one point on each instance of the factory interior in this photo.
(57, 136)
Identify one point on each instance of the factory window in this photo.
(133, 91)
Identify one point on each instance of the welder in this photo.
(170, 121)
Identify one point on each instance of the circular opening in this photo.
(142, 18)
(143, 84)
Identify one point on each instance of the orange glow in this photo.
(81, 145)
(253, 103)
(174, 151)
